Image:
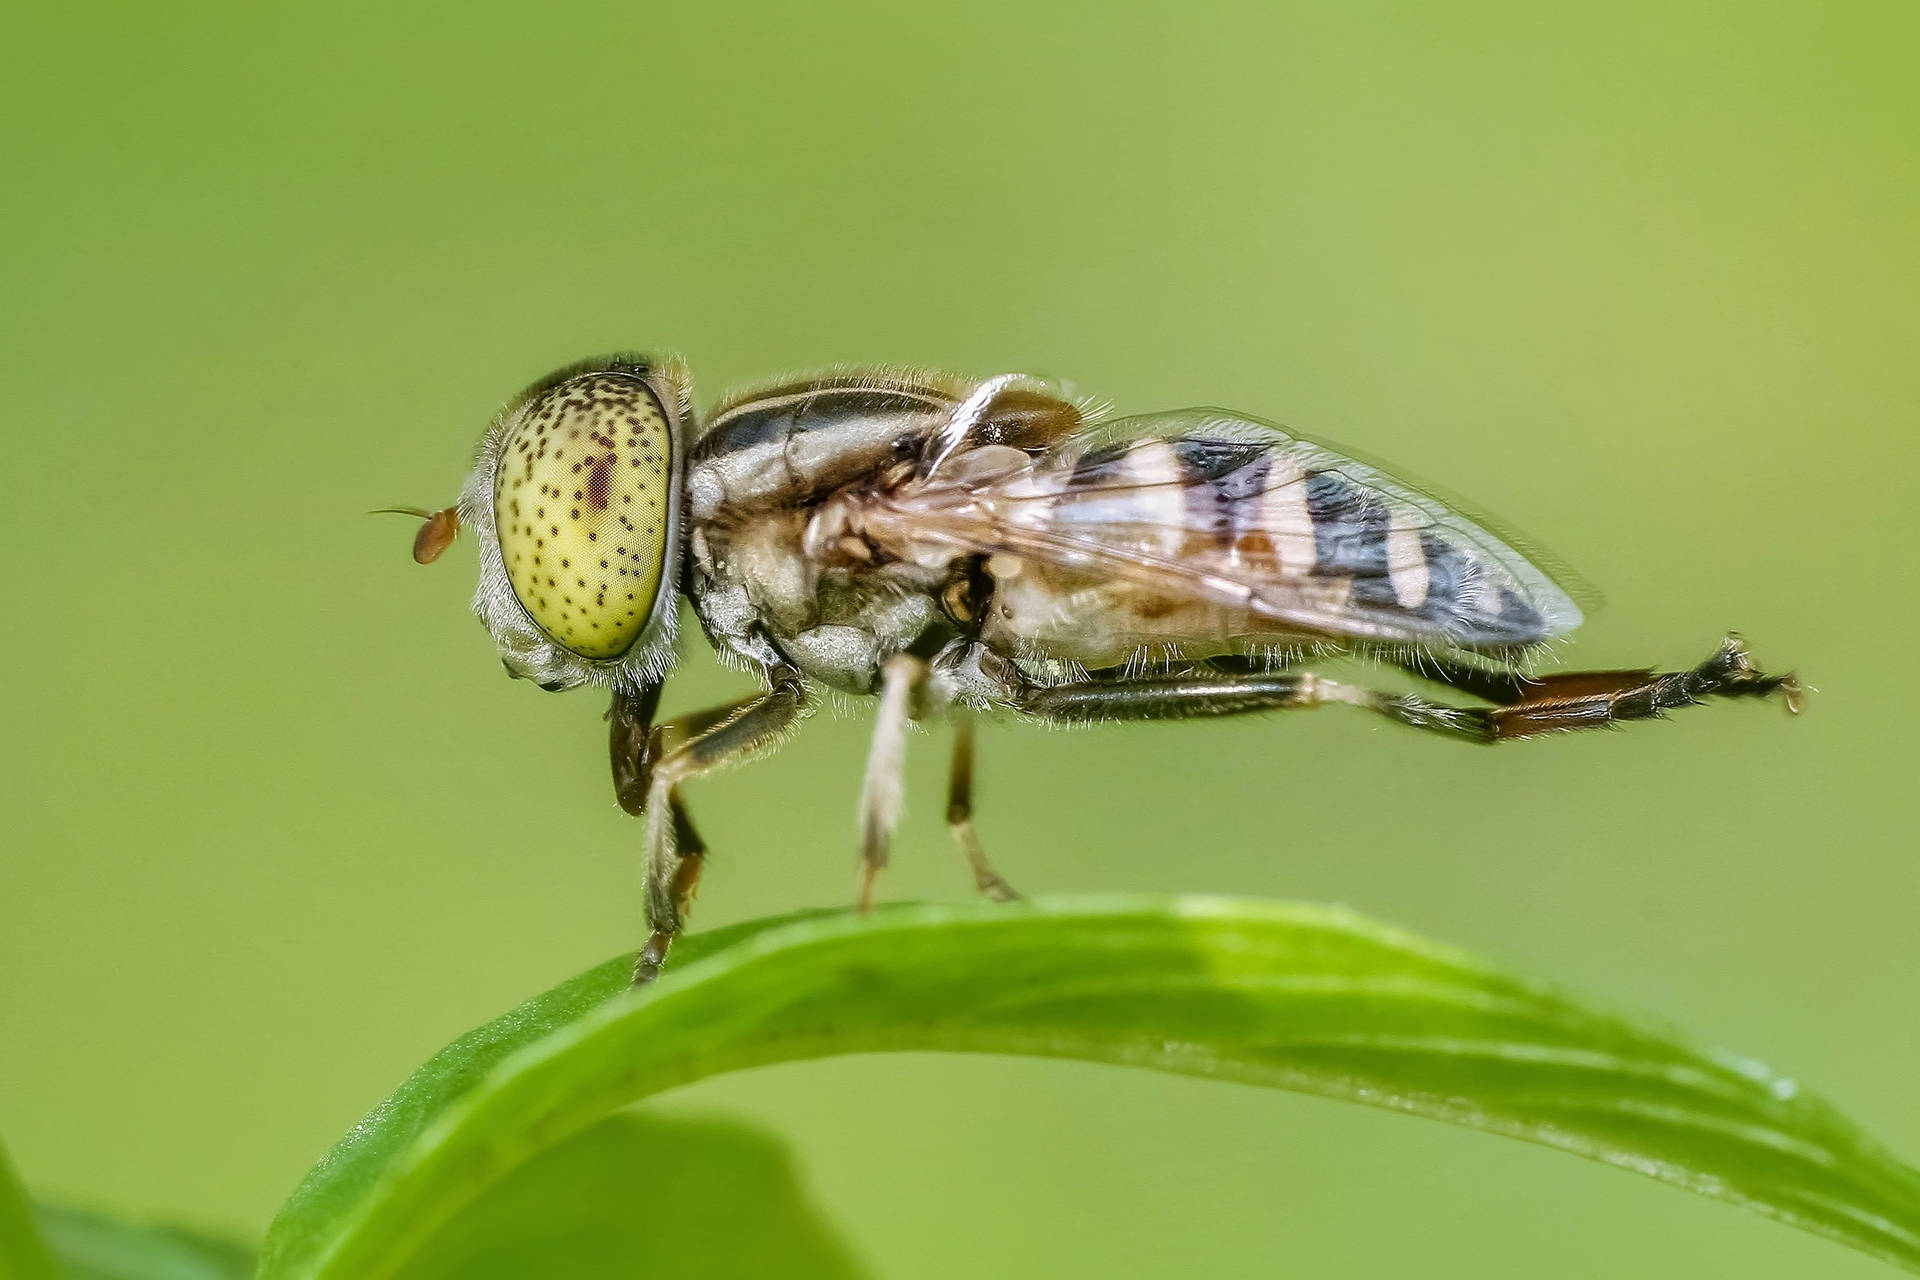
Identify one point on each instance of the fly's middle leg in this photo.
(901, 682)
(960, 814)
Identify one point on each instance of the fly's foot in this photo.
(1732, 673)
(1793, 694)
(992, 887)
(646, 967)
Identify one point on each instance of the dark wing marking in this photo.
(1213, 505)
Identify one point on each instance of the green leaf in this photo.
(338, 1185)
(23, 1253)
(642, 1195)
(91, 1246)
(1297, 997)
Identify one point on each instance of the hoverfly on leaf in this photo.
(956, 546)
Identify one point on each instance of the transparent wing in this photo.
(1214, 505)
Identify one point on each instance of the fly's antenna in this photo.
(437, 532)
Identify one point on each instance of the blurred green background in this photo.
(1640, 277)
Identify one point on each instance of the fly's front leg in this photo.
(635, 744)
(687, 856)
(706, 741)
(960, 814)
(901, 681)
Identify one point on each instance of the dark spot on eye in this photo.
(575, 513)
(600, 481)
(593, 537)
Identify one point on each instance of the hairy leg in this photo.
(960, 814)
(635, 743)
(648, 773)
(1172, 697)
(901, 681)
(1587, 699)
(1578, 700)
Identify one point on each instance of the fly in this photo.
(955, 546)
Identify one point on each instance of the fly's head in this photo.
(574, 500)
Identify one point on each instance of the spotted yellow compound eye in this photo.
(580, 502)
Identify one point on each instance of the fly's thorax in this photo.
(576, 501)
(801, 586)
(793, 442)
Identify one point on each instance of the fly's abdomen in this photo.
(1232, 536)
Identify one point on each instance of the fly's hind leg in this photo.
(1578, 700)
(1582, 699)
(960, 814)
(1178, 697)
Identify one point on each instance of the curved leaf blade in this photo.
(333, 1187)
(1291, 996)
